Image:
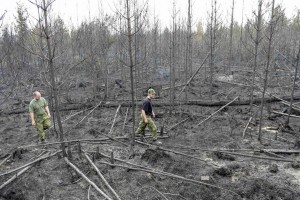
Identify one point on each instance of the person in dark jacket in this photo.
(147, 116)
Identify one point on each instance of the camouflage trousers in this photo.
(151, 125)
(42, 123)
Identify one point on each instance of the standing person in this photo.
(147, 115)
(40, 114)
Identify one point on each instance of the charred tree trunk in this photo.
(230, 40)
(257, 42)
(52, 76)
(269, 57)
(129, 36)
(293, 89)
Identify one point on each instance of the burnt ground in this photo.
(214, 153)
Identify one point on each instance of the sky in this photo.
(76, 11)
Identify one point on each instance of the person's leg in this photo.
(152, 128)
(46, 123)
(141, 128)
(40, 128)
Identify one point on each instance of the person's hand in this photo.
(153, 114)
(49, 116)
(146, 121)
(33, 123)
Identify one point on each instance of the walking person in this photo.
(40, 115)
(147, 116)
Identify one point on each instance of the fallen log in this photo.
(158, 103)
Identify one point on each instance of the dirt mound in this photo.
(13, 194)
(153, 156)
(257, 189)
(223, 156)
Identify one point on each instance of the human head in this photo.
(151, 93)
(37, 95)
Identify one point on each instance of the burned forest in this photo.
(226, 106)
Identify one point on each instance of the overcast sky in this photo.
(76, 11)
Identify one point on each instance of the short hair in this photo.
(36, 93)
(151, 91)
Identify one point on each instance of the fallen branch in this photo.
(123, 128)
(218, 110)
(69, 117)
(83, 118)
(89, 192)
(244, 155)
(102, 177)
(71, 141)
(14, 177)
(246, 127)
(258, 157)
(170, 175)
(286, 102)
(87, 179)
(283, 151)
(176, 152)
(28, 164)
(111, 138)
(161, 194)
(280, 113)
(178, 195)
(112, 126)
(5, 159)
(192, 77)
(174, 126)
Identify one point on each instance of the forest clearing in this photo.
(226, 107)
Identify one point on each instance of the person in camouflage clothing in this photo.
(147, 115)
(40, 114)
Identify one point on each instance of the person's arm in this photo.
(48, 112)
(32, 119)
(153, 114)
(144, 116)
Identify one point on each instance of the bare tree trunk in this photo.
(230, 40)
(52, 77)
(241, 38)
(212, 41)
(269, 57)
(257, 42)
(293, 89)
(129, 36)
(172, 64)
(188, 62)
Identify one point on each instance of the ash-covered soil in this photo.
(212, 161)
